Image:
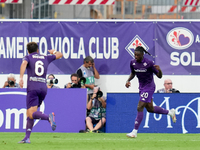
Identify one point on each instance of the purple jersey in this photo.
(144, 71)
(37, 69)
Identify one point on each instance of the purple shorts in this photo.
(35, 98)
(146, 96)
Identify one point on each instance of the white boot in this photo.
(172, 113)
(132, 134)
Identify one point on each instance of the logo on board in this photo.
(135, 42)
(180, 38)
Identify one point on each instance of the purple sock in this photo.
(138, 120)
(40, 115)
(160, 110)
(29, 126)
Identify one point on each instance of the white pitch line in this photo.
(128, 139)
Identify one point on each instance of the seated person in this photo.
(97, 115)
(51, 77)
(168, 87)
(74, 82)
(11, 82)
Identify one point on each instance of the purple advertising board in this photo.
(111, 44)
(69, 106)
(175, 45)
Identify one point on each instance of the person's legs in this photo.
(89, 123)
(33, 100)
(40, 115)
(145, 98)
(100, 124)
(138, 120)
(155, 109)
(159, 110)
(29, 124)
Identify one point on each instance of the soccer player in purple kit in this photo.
(144, 69)
(36, 66)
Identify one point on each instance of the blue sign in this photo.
(122, 111)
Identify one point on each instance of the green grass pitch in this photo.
(100, 141)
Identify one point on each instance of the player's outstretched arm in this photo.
(22, 71)
(159, 74)
(54, 52)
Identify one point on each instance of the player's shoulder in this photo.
(133, 61)
(50, 56)
(148, 61)
(26, 58)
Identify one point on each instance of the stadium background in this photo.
(185, 77)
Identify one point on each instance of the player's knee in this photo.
(139, 109)
(103, 120)
(150, 110)
(30, 115)
(88, 119)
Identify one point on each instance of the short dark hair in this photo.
(89, 59)
(74, 75)
(51, 75)
(32, 47)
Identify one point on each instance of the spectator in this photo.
(168, 87)
(51, 77)
(11, 82)
(74, 82)
(97, 105)
(88, 71)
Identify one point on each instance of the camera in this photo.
(11, 83)
(99, 94)
(52, 81)
(174, 90)
(73, 85)
(82, 81)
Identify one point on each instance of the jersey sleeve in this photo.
(155, 71)
(25, 58)
(51, 58)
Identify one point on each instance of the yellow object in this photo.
(55, 15)
(3, 5)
